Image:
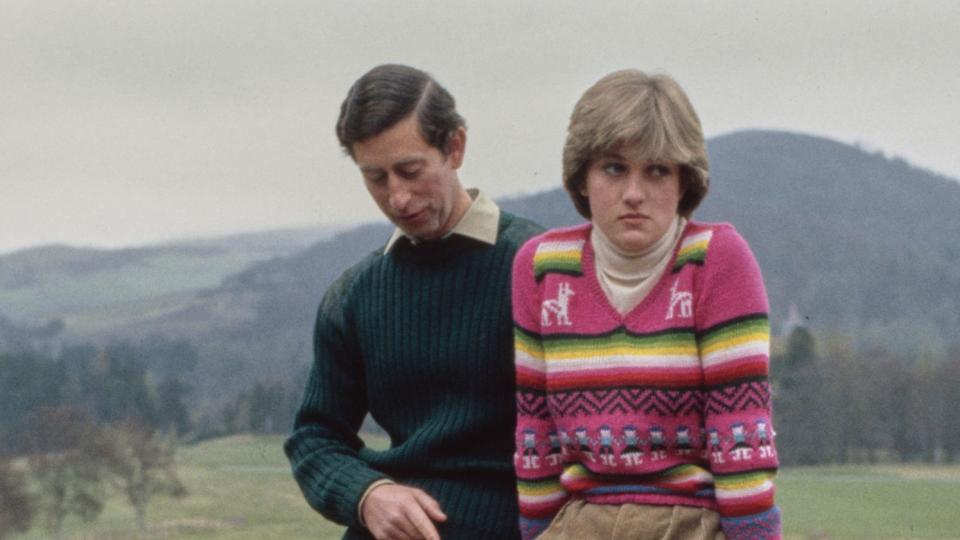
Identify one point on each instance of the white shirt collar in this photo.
(480, 222)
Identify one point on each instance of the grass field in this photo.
(241, 488)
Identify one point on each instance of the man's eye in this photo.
(409, 173)
(375, 178)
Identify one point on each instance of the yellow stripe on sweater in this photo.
(735, 340)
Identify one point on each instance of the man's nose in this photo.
(399, 194)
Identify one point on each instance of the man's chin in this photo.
(423, 233)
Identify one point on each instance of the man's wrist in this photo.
(374, 485)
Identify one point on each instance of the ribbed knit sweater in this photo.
(421, 338)
(667, 404)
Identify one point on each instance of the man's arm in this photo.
(323, 449)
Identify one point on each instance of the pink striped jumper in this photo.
(668, 404)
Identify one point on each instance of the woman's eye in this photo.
(658, 171)
(614, 168)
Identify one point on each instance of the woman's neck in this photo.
(627, 277)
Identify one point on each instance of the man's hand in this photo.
(395, 512)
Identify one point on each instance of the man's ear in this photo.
(456, 147)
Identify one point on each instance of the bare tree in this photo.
(16, 505)
(142, 465)
(66, 464)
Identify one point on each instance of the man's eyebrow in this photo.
(410, 160)
(403, 162)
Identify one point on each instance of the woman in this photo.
(642, 340)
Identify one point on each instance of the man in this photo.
(418, 334)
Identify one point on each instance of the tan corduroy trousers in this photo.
(579, 520)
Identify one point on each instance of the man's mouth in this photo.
(413, 216)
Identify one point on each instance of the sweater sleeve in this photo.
(323, 448)
(538, 471)
(733, 334)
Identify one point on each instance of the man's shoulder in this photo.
(341, 287)
(515, 230)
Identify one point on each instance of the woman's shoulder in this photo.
(703, 242)
(556, 250)
(706, 234)
(558, 239)
(709, 228)
(572, 233)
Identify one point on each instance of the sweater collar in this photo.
(634, 266)
(627, 278)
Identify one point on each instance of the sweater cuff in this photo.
(366, 493)
(762, 526)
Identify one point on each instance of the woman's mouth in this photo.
(633, 218)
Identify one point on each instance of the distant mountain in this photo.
(864, 246)
(56, 280)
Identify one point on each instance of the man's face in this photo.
(413, 183)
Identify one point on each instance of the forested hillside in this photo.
(866, 247)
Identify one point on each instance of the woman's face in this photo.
(633, 202)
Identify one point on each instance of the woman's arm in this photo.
(538, 474)
(733, 333)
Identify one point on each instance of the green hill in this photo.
(864, 245)
(111, 285)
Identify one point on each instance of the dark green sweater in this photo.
(420, 338)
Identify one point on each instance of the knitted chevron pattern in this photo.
(668, 404)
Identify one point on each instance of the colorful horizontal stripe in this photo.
(622, 358)
(620, 341)
(686, 479)
(739, 348)
(561, 257)
(744, 483)
(613, 378)
(542, 498)
(729, 331)
(528, 342)
(693, 250)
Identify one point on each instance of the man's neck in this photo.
(460, 207)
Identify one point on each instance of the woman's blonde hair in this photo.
(651, 112)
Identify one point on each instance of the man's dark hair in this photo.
(388, 94)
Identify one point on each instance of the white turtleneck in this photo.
(627, 277)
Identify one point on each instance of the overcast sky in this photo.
(126, 122)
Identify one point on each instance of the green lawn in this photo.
(241, 488)
(870, 502)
